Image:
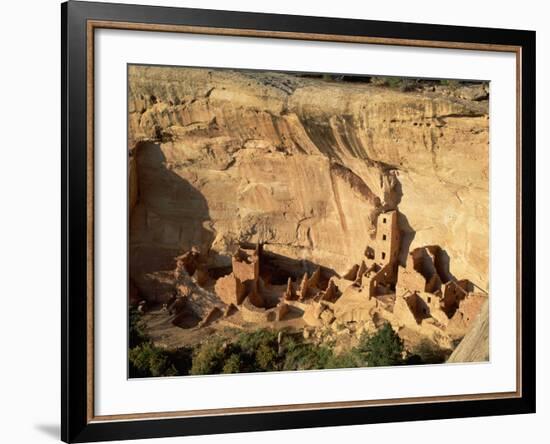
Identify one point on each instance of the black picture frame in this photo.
(76, 423)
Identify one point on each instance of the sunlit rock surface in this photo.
(303, 165)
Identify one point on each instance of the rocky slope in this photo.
(474, 347)
(302, 164)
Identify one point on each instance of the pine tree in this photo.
(383, 348)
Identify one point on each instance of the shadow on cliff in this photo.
(407, 237)
(278, 268)
(169, 218)
(275, 268)
(408, 234)
(443, 262)
(444, 266)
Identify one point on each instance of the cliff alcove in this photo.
(304, 166)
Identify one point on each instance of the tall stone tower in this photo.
(387, 238)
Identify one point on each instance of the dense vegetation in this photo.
(147, 360)
(264, 350)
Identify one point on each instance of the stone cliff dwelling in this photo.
(305, 170)
(420, 298)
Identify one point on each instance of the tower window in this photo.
(383, 237)
(383, 255)
(384, 220)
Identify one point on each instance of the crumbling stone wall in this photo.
(251, 313)
(245, 271)
(409, 278)
(433, 303)
(281, 310)
(188, 262)
(420, 272)
(331, 293)
(255, 296)
(315, 278)
(403, 314)
(230, 289)
(423, 261)
(214, 314)
(433, 285)
(466, 313)
(290, 293)
(453, 292)
(246, 265)
(418, 306)
(304, 287)
(384, 280)
(351, 274)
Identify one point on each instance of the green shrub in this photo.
(249, 352)
(232, 364)
(258, 351)
(181, 359)
(427, 352)
(251, 341)
(146, 360)
(208, 358)
(266, 357)
(384, 348)
(136, 331)
(305, 356)
(350, 359)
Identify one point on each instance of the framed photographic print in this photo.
(276, 221)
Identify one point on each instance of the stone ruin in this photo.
(420, 296)
(258, 300)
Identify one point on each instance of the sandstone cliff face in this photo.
(303, 165)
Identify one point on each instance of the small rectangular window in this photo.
(384, 220)
(383, 237)
(383, 255)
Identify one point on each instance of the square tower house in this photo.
(387, 238)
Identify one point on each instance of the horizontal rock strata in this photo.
(302, 165)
